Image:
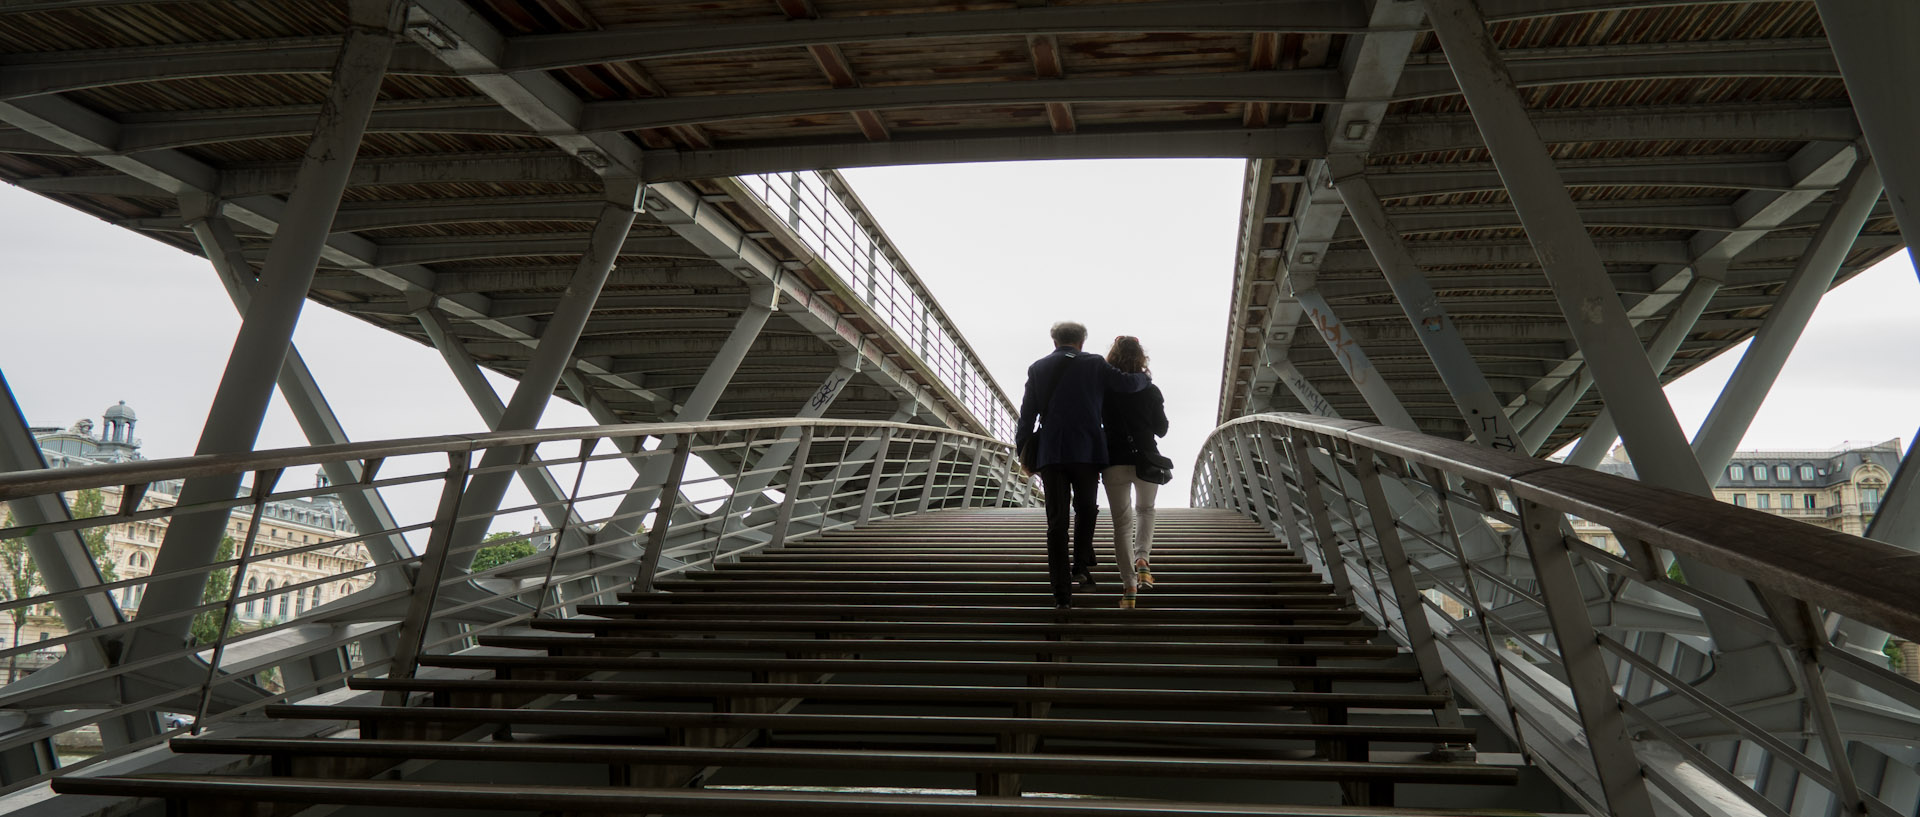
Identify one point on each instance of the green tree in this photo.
(22, 575)
(209, 624)
(88, 503)
(1894, 659)
(22, 578)
(493, 556)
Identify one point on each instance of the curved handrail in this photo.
(1551, 593)
(703, 494)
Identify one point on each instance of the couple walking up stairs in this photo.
(910, 667)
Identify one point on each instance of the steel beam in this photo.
(550, 359)
(259, 351)
(1600, 434)
(1353, 359)
(1873, 41)
(1747, 388)
(1800, 122)
(1451, 358)
(297, 385)
(538, 480)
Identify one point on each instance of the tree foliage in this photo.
(493, 556)
(208, 624)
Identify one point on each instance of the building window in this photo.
(313, 596)
(1808, 501)
(1736, 473)
(1765, 500)
(253, 605)
(1806, 472)
(1786, 502)
(1782, 472)
(1869, 499)
(1760, 473)
(1740, 500)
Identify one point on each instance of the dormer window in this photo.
(1760, 473)
(1806, 472)
(1783, 472)
(1736, 473)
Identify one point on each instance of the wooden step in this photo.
(506, 666)
(946, 629)
(1106, 595)
(1134, 650)
(231, 791)
(448, 692)
(370, 720)
(691, 604)
(282, 751)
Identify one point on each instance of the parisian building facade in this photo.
(131, 546)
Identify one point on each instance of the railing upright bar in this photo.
(873, 477)
(560, 532)
(426, 583)
(973, 473)
(1413, 614)
(733, 495)
(1807, 636)
(1622, 779)
(795, 477)
(1253, 480)
(933, 472)
(1316, 503)
(1289, 522)
(263, 484)
(663, 514)
(1437, 480)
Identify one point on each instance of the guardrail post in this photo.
(1316, 503)
(1622, 779)
(933, 472)
(663, 515)
(426, 581)
(263, 483)
(795, 477)
(1289, 523)
(973, 473)
(560, 535)
(873, 476)
(1413, 611)
(1252, 479)
(1437, 480)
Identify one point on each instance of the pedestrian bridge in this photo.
(795, 570)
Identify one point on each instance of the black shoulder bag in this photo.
(1151, 466)
(1030, 453)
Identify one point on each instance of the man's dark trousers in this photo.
(1070, 488)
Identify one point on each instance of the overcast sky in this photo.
(95, 314)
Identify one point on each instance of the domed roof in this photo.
(120, 411)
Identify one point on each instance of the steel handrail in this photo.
(1323, 484)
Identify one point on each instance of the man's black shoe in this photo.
(1084, 582)
(1062, 605)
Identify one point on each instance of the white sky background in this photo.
(91, 314)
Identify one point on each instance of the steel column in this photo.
(1873, 42)
(795, 477)
(1303, 389)
(1484, 415)
(297, 385)
(538, 480)
(1812, 276)
(550, 359)
(260, 349)
(1353, 359)
(62, 557)
(1600, 434)
(1413, 608)
(1586, 294)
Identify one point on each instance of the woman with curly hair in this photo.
(1132, 422)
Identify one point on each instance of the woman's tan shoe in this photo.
(1145, 573)
(1126, 602)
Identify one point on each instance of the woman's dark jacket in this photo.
(1143, 415)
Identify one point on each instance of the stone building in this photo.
(288, 525)
(1839, 489)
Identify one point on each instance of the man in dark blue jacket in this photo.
(1065, 392)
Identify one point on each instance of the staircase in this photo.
(883, 671)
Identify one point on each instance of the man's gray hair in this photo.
(1069, 333)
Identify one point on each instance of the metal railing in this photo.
(1552, 635)
(813, 206)
(711, 491)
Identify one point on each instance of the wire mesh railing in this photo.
(1559, 601)
(645, 501)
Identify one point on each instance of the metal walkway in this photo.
(921, 654)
